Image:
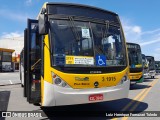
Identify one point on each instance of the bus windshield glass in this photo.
(135, 57)
(134, 54)
(77, 43)
(157, 64)
(151, 63)
(144, 61)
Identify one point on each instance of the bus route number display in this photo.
(79, 60)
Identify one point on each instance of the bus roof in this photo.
(133, 43)
(78, 5)
(133, 46)
(149, 56)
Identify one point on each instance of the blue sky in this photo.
(140, 20)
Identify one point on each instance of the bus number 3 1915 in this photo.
(108, 78)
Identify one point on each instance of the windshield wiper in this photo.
(106, 30)
(104, 36)
(73, 29)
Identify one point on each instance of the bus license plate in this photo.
(96, 97)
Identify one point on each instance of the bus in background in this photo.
(152, 69)
(74, 54)
(21, 67)
(145, 65)
(135, 62)
(157, 64)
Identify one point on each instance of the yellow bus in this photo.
(135, 62)
(74, 54)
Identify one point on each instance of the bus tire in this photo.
(132, 84)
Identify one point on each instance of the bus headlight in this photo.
(58, 81)
(64, 84)
(123, 80)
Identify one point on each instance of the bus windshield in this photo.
(135, 57)
(86, 43)
(134, 54)
(151, 63)
(144, 61)
(157, 64)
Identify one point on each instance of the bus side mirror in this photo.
(42, 23)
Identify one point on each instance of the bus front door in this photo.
(33, 58)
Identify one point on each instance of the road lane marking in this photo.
(10, 81)
(114, 119)
(133, 100)
(141, 98)
(136, 97)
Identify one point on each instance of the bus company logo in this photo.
(81, 84)
(96, 84)
(82, 79)
(6, 114)
(95, 72)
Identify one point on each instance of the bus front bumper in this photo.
(149, 75)
(69, 96)
(146, 75)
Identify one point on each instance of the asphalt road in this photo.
(9, 78)
(143, 97)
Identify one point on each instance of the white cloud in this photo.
(13, 40)
(11, 35)
(28, 2)
(132, 32)
(137, 29)
(31, 2)
(149, 40)
(156, 56)
(157, 49)
(151, 32)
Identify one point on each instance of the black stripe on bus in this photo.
(90, 70)
(135, 70)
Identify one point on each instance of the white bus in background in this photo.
(145, 64)
(151, 66)
(21, 67)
